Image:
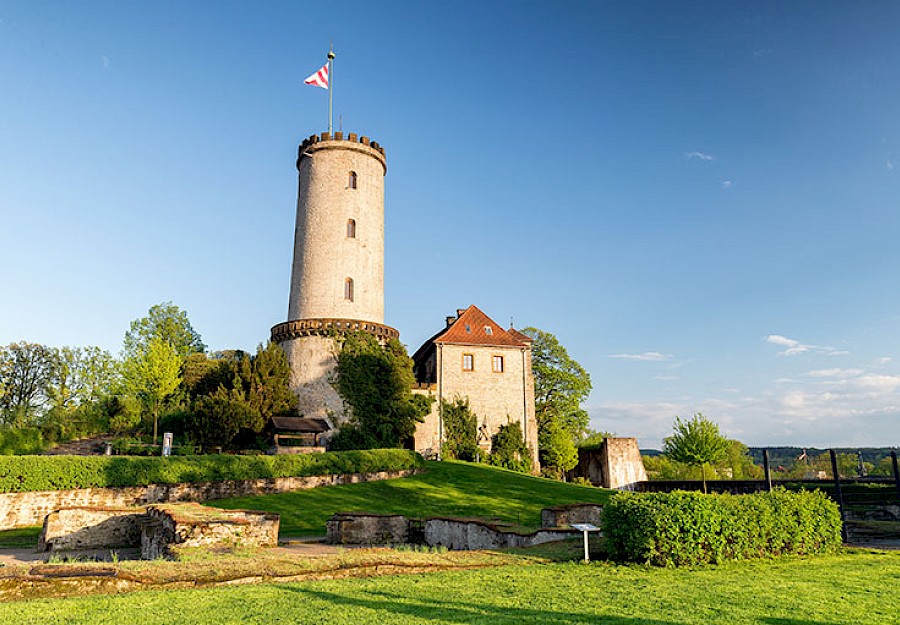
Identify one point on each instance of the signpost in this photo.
(587, 528)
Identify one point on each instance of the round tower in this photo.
(337, 277)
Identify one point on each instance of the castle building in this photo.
(337, 286)
(475, 359)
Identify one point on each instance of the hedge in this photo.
(686, 528)
(38, 473)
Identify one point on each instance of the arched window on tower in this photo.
(351, 228)
(351, 181)
(348, 289)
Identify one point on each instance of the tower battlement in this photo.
(351, 141)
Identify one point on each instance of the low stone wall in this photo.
(360, 528)
(81, 529)
(464, 534)
(24, 509)
(563, 516)
(193, 525)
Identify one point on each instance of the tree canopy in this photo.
(560, 385)
(167, 322)
(696, 442)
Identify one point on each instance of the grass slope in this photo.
(445, 489)
(835, 590)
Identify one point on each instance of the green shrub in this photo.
(682, 528)
(20, 441)
(37, 473)
(508, 449)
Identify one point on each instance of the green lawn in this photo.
(445, 489)
(854, 588)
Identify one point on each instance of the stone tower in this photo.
(337, 278)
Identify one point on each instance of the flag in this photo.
(320, 78)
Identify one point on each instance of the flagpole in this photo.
(330, 87)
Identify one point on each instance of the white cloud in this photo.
(726, 184)
(703, 156)
(646, 356)
(104, 61)
(884, 360)
(795, 347)
(666, 378)
(841, 374)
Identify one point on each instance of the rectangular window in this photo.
(468, 362)
(498, 364)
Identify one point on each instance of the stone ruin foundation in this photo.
(363, 528)
(155, 530)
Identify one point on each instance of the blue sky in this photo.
(700, 199)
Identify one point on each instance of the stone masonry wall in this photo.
(72, 529)
(25, 509)
(562, 516)
(496, 398)
(313, 360)
(192, 525)
(463, 534)
(324, 256)
(367, 529)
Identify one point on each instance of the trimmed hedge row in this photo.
(685, 528)
(38, 473)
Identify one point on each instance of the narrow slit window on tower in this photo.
(351, 228)
(348, 289)
(351, 182)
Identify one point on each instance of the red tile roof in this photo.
(473, 327)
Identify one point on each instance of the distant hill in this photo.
(787, 456)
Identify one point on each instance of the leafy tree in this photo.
(121, 412)
(375, 382)
(696, 442)
(25, 374)
(560, 385)
(166, 322)
(737, 464)
(80, 378)
(460, 430)
(217, 420)
(153, 375)
(259, 383)
(264, 382)
(508, 448)
(558, 451)
(594, 438)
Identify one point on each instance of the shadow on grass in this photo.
(792, 621)
(459, 612)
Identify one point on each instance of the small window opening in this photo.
(348, 289)
(468, 362)
(488, 330)
(351, 182)
(351, 228)
(468, 328)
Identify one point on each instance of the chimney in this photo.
(450, 320)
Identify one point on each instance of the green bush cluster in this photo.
(685, 528)
(19, 441)
(37, 473)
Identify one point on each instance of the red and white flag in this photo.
(320, 78)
